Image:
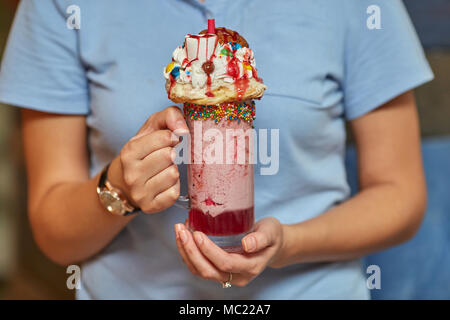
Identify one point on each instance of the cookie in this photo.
(225, 35)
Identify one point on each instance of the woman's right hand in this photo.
(145, 170)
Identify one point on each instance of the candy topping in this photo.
(226, 52)
(175, 72)
(208, 67)
(240, 111)
(170, 67)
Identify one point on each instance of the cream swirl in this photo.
(231, 62)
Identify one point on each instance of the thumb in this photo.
(258, 240)
(170, 118)
(173, 119)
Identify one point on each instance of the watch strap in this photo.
(104, 183)
(103, 177)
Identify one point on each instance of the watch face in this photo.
(111, 202)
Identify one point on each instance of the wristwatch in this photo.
(111, 198)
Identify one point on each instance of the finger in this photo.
(156, 162)
(239, 280)
(170, 118)
(146, 143)
(181, 237)
(224, 261)
(162, 180)
(205, 268)
(261, 238)
(161, 201)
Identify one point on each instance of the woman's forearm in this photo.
(70, 224)
(378, 217)
(391, 203)
(67, 219)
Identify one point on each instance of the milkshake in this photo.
(214, 75)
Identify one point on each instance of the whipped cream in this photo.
(231, 62)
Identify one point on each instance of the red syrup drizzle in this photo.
(187, 63)
(208, 79)
(254, 71)
(208, 92)
(172, 84)
(240, 84)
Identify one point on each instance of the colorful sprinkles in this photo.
(244, 111)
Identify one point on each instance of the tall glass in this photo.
(220, 177)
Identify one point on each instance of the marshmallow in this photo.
(200, 47)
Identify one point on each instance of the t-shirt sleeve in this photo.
(41, 68)
(380, 64)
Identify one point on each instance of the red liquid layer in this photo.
(224, 224)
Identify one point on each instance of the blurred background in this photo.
(419, 269)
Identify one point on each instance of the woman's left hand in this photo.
(207, 260)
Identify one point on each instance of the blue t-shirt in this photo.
(322, 66)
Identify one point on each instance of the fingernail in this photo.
(174, 137)
(177, 236)
(181, 131)
(181, 128)
(198, 238)
(173, 155)
(183, 236)
(249, 244)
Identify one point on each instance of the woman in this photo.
(86, 92)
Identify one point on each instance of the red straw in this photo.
(211, 26)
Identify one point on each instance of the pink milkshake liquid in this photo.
(221, 180)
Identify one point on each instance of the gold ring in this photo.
(227, 284)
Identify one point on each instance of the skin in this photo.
(58, 180)
(387, 211)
